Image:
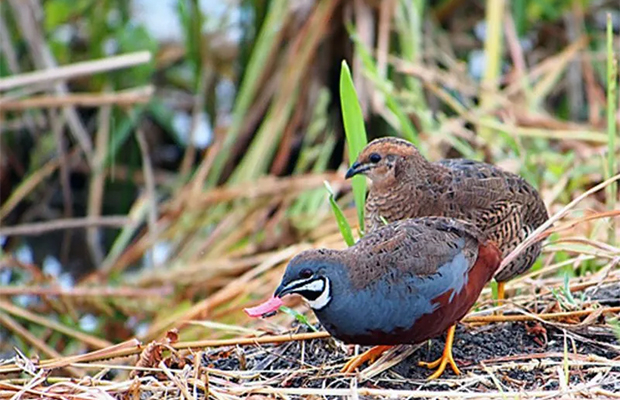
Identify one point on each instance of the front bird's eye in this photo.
(305, 273)
(374, 158)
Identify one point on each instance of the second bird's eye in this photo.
(374, 158)
(305, 273)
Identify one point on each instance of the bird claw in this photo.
(446, 358)
(370, 355)
(441, 363)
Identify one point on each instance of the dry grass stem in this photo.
(75, 70)
(123, 98)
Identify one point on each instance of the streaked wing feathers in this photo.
(418, 247)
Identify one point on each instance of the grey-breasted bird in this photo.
(403, 283)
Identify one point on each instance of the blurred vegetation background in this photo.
(171, 184)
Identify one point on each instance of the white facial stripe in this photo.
(294, 286)
(324, 298)
(316, 285)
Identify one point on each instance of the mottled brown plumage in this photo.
(417, 247)
(406, 185)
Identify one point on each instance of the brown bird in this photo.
(406, 185)
(404, 283)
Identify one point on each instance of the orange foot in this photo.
(369, 355)
(445, 359)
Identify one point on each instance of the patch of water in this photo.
(203, 133)
(88, 323)
(161, 18)
(24, 254)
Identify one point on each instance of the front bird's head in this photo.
(380, 159)
(314, 275)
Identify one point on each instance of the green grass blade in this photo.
(615, 327)
(495, 12)
(138, 214)
(343, 224)
(356, 135)
(408, 25)
(266, 41)
(405, 127)
(612, 75)
(299, 317)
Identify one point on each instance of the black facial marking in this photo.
(310, 295)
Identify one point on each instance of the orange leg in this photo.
(369, 355)
(445, 359)
(501, 295)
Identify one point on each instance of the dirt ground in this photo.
(566, 358)
(509, 356)
(520, 357)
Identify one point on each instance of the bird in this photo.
(404, 184)
(403, 283)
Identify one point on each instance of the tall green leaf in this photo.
(356, 135)
(343, 224)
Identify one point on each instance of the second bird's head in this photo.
(314, 275)
(380, 159)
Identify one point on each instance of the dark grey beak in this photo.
(281, 290)
(355, 169)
